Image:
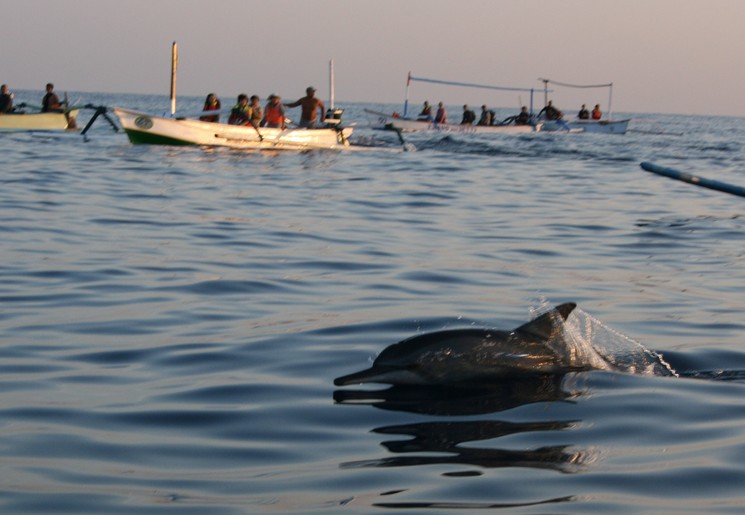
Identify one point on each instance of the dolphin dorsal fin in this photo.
(544, 325)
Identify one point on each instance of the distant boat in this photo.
(143, 128)
(605, 125)
(404, 123)
(391, 122)
(19, 122)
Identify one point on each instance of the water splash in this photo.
(586, 342)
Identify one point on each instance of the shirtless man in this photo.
(310, 107)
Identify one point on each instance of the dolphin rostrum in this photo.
(464, 355)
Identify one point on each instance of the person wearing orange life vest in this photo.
(274, 113)
(596, 114)
(241, 112)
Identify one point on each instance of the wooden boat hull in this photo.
(18, 122)
(388, 122)
(593, 126)
(142, 128)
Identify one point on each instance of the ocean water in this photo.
(172, 319)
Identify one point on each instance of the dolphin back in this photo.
(465, 355)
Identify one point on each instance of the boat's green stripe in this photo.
(148, 138)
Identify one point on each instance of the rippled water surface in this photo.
(172, 320)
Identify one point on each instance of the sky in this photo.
(663, 56)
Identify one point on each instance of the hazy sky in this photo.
(670, 56)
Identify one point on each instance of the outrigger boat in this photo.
(20, 121)
(404, 123)
(160, 130)
(393, 122)
(605, 125)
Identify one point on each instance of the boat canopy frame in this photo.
(579, 86)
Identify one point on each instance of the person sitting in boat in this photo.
(426, 113)
(487, 116)
(50, 103)
(256, 112)
(274, 113)
(523, 118)
(6, 100)
(310, 108)
(596, 114)
(551, 112)
(583, 114)
(241, 112)
(211, 103)
(442, 115)
(468, 116)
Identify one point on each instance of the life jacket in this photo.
(596, 114)
(240, 115)
(212, 106)
(274, 115)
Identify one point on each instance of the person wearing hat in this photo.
(311, 106)
(274, 113)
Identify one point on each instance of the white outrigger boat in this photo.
(605, 125)
(143, 128)
(19, 122)
(403, 123)
(396, 123)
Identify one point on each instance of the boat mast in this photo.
(331, 84)
(545, 91)
(610, 101)
(406, 98)
(174, 65)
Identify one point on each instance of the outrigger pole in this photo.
(464, 84)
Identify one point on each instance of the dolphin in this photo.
(460, 356)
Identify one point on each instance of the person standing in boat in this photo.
(211, 103)
(274, 113)
(551, 112)
(257, 114)
(241, 112)
(6, 100)
(596, 114)
(310, 108)
(50, 103)
(468, 116)
(442, 115)
(583, 114)
(426, 114)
